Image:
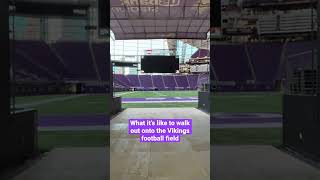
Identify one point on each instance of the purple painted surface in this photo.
(160, 130)
(159, 99)
(103, 120)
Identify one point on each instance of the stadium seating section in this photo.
(159, 82)
(37, 60)
(253, 66)
(256, 66)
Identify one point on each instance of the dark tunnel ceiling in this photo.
(153, 19)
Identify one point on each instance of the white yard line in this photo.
(155, 98)
(158, 93)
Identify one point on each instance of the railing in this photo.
(303, 82)
(294, 22)
(257, 3)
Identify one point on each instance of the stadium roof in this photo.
(201, 44)
(159, 19)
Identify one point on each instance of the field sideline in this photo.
(147, 94)
(68, 105)
(98, 103)
(251, 136)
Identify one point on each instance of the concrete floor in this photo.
(69, 164)
(187, 160)
(259, 163)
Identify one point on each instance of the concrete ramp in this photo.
(69, 164)
(185, 160)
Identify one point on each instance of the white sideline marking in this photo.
(195, 98)
(155, 98)
(120, 94)
(146, 102)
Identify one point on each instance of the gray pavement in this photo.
(229, 163)
(258, 163)
(69, 164)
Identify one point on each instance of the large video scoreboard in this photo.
(159, 64)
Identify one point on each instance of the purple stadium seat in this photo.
(78, 60)
(61, 61)
(193, 81)
(121, 80)
(146, 82)
(231, 66)
(265, 60)
(31, 69)
(100, 53)
(39, 54)
(182, 82)
(134, 81)
(158, 82)
(169, 82)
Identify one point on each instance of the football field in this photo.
(89, 104)
(91, 109)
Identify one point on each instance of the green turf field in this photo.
(98, 104)
(89, 104)
(252, 136)
(246, 136)
(221, 102)
(246, 102)
(29, 99)
(50, 139)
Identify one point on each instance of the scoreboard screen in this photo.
(159, 64)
